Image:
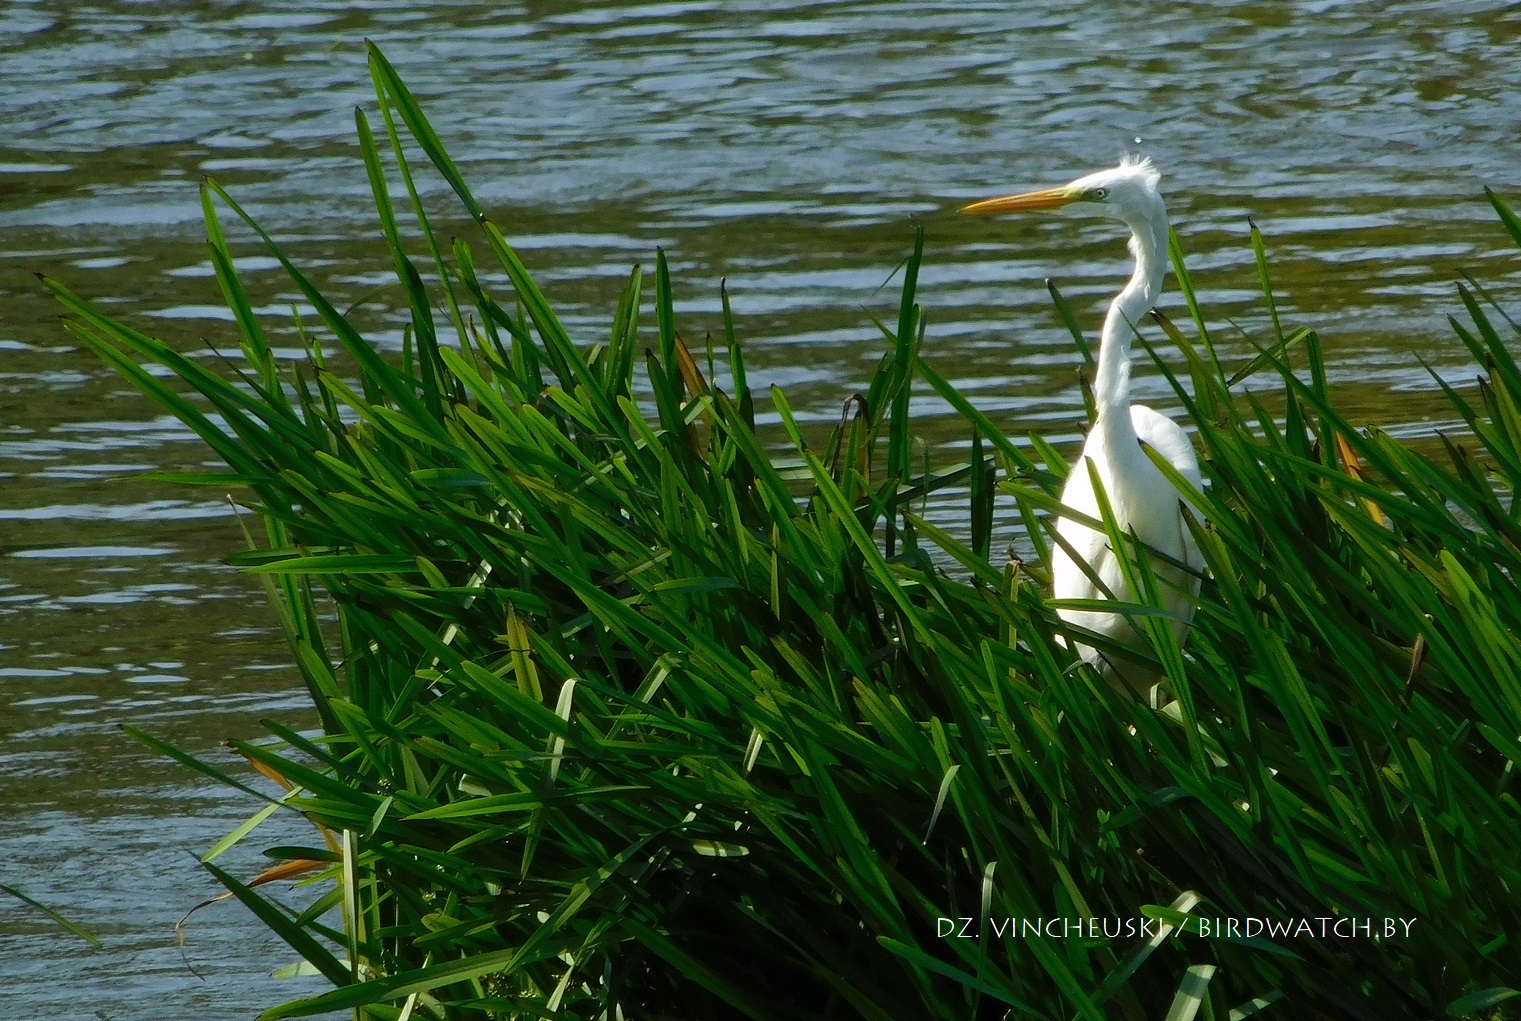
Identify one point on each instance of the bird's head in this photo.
(1127, 192)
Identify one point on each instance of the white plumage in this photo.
(1141, 498)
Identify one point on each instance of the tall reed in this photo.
(623, 715)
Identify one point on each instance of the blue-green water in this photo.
(790, 149)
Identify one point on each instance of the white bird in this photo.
(1140, 496)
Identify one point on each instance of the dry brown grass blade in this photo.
(269, 772)
(263, 769)
(1355, 469)
(1417, 660)
(691, 376)
(284, 870)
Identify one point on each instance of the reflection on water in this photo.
(789, 152)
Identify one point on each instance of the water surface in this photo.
(791, 150)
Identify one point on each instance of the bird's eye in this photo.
(1100, 194)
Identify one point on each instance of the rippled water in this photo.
(788, 149)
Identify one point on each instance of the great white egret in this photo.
(1141, 498)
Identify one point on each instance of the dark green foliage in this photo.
(621, 715)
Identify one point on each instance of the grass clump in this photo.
(622, 717)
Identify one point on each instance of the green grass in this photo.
(623, 712)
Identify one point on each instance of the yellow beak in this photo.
(1047, 198)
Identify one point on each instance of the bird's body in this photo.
(1141, 499)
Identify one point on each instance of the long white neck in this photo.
(1111, 385)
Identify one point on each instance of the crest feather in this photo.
(1143, 164)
